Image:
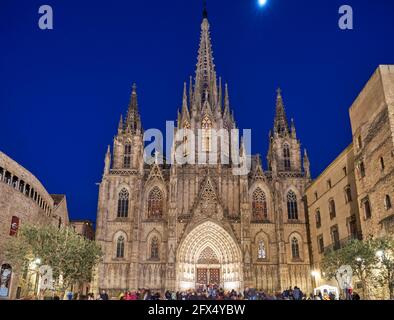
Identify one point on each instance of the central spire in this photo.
(205, 72)
(281, 126)
(133, 120)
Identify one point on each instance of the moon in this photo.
(262, 3)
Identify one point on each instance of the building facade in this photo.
(352, 198)
(84, 228)
(333, 211)
(23, 200)
(180, 226)
(372, 120)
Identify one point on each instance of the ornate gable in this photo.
(207, 204)
(155, 173)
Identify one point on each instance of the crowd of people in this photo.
(214, 292)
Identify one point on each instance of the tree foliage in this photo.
(385, 267)
(70, 256)
(372, 262)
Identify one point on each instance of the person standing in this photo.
(104, 295)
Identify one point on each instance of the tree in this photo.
(71, 257)
(359, 255)
(384, 275)
(331, 262)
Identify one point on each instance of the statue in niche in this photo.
(171, 256)
(247, 255)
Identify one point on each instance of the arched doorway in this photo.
(208, 254)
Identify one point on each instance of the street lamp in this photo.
(315, 273)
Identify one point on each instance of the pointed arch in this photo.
(206, 126)
(123, 203)
(261, 246)
(296, 244)
(155, 203)
(120, 247)
(286, 157)
(259, 206)
(127, 155)
(262, 250)
(119, 240)
(222, 242)
(295, 248)
(292, 205)
(154, 248)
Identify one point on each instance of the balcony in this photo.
(341, 243)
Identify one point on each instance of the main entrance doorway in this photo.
(207, 277)
(209, 255)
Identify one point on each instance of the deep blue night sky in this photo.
(62, 91)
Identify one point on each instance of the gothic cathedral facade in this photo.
(179, 226)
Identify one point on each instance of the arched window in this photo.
(332, 209)
(120, 247)
(286, 157)
(154, 249)
(155, 204)
(259, 205)
(206, 126)
(5, 280)
(127, 156)
(295, 248)
(387, 202)
(123, 204)
(292, 208)
(262, 253)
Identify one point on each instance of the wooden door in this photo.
(214, 276)
(202, 276)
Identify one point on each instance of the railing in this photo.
(341, 243)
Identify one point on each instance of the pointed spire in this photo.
(307, 166)
(185, 109)
(179, 119)
(133, 120)
(205, 72)
(184, 102)
(293, 129)
(226, 101)
(107, 161)
(191, 91)
(220, 96)
(121, 125)
(281, 126)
